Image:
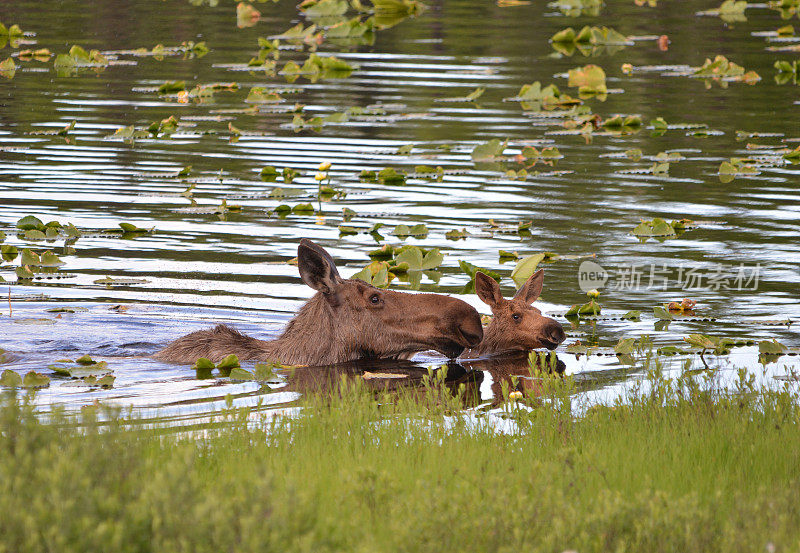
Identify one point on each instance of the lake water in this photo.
(196, 269)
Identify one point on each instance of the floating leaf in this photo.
(228, 363)
(324, 8)
(29, 222)
(85, 360)
(284, 192)
(625, 346)
(390, 176)
(172, 87)
(204, 364)
(238, 373)
(246, 15)
(106, 381)
(701, 341)
(590, 79)
(685, 305)
(730, 7)
(419, 230)
(10, 379)
(771, 347)
(489, 151)
(345, 230)
(24, 273)
(669, 350)
(120, 281)
(471, 270)
(35, 380)
(658, 228)
(265, 372)
(376, 274)
(662, 314)
(525, 268)
(8, 68)
(269, 173)
(261, 95)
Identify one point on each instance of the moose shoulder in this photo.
(345, 320)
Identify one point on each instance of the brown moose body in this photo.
(345, 320)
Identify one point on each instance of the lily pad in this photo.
(489, 151)
(525, 268)
(35, 380)
(590, 79)
(240, 374)
(771, 347)
(10, 379)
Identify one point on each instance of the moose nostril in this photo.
(557, 334)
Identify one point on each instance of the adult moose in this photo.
(516, 326)
(345, 320)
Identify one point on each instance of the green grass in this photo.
(681, 467)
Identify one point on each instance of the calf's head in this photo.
(365, 321)
(516, 325)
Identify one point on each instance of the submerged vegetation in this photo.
(678, 465)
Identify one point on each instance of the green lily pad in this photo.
(525, 268)
(771, 347)
(204, 364)
(590, 79)
(391, 176)
(10, 379)
(489, 151)
(456, 234)
(625, 346)
(238, 373)
(35, 380)
(661, 313)
(29, 222)
(228, 363)
(669, 350)
(701, 341)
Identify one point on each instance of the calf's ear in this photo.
(316, 267)
(487, 289)
(532, 288)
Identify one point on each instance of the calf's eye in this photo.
(515, 316)
(375, 299)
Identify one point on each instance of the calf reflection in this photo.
(517, 372)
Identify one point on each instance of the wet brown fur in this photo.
(516, 325)
(345, 320)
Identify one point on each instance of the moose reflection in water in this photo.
(466, 379)
(346, 319)
(387, 376)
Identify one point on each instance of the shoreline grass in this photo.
(680, 466)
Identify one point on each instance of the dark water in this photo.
(203, 268)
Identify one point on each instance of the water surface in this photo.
(200, 269)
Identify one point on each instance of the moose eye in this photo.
(375, 299)
(515, 316)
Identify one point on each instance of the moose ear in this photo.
(530, 291)
(316, 266)
(487, 289)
